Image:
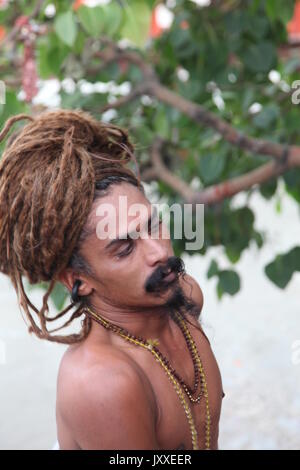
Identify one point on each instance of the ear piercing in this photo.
(74, 295)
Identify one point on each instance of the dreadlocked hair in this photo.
(51, 171)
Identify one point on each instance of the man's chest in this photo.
(173, 429)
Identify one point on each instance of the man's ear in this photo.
(68, 277)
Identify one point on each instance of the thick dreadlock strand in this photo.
(49, 174)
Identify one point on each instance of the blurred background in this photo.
(209, 91)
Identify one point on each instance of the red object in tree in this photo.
(123, 65)
(29, 73)
(184, 24)
(21, 21)
(293, 26)
(2, 32)
(3, 4)
(155, 29)
(77, 4)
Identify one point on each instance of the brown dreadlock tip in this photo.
(115, 132)
(7, 245)
(69, 134)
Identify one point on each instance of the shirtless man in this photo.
(56, 174)
(112, 394)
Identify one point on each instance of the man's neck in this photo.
(147, 323)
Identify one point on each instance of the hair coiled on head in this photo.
(50, 172)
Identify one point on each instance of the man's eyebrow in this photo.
(119, 240)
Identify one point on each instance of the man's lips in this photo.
(170, 277)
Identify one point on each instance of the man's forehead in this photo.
(132, 194)
(124, 208)
(115, 213)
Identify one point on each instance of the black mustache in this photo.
(155, 282)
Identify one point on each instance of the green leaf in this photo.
(211, 166)
(213, 269)
(258, 238)
(232, 253)
(266, 116)
(66, 28)
(51, 54)
(260, 57)
(10, 107)
(293, 258)
(292, 178)
(161, 123)
(278, 206)
(136, 24)
(113, 17)
(272, 10)
(92, 19)
(220, 291)
(236, 22)
(291, 65)
(248, 98)
(282, 10)
(59, 295)
(79, 43)
(258, 26)
(279, 271)
(151, 3)
(268, 189)
(229, 281)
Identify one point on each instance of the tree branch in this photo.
(161, 172)
(196, 112)
(285, 156)
(218, 192)
(201, 116)
(140, 90)
(113, 53)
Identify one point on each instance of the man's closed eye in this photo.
(130, 246)
(127, 251)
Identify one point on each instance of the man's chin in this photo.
(168, 286)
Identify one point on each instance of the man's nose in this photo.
(155, 251)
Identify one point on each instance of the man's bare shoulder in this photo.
(80, 367)
(100, 401)
(81, 358)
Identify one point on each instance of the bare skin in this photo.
(112, 394)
